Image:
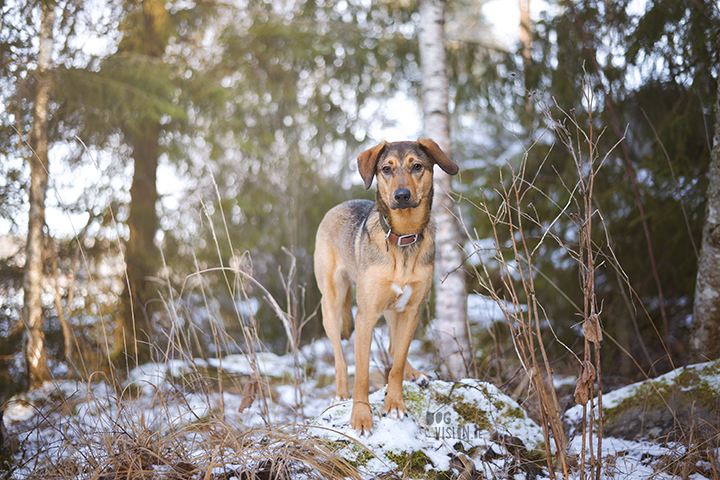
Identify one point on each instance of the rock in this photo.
(448, 424)
(683, 402)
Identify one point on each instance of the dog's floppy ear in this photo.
(436, 153)
(367, 161)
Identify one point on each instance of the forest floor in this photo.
(194, 419)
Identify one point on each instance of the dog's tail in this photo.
(347, 318)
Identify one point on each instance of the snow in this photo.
(629, 458)
(151, 376)
(268, 364)
(484, 311)
(74, 420)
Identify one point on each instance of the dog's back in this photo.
(337, 251)
(339, 231)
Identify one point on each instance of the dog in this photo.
(387, 248)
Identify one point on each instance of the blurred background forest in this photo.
(187, 136)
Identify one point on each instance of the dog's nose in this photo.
(402, 195)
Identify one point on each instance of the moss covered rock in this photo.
(683, 402)
(446, 421)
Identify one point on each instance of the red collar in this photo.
(399, 240)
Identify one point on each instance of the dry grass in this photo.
(110, 428)
(98, 431)
(513, 255)
(211, 450)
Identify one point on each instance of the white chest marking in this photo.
(403, 295)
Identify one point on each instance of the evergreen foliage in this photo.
(298, 82)
(653, 74)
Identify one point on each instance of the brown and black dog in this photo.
(388, 249)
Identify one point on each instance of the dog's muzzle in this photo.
(402, 195)
(402, 198)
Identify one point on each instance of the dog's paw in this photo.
(395, 414)
(421, 378)
(339, 399)
(416, 376)
(394, 407)
(361, 420)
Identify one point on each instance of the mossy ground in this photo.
(412, 464)
(670, 407)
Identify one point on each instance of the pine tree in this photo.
(140, 94)
(297, 82)
(147, 32)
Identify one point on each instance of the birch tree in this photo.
(450, 292)
(705, 336)
(33, 335)
(526, 50)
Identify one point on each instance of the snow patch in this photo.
(443, 419)
(484, 311)
(267, 363)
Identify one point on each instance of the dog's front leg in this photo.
(411, 373)
(361, 418)
(404, 331)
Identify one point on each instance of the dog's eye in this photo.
(386, 169)
(417, 167)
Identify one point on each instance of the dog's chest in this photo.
(403, 296)
(407, 284)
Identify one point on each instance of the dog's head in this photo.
(404, 170)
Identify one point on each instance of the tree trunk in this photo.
(450, 294)
(64, 321)
(705, 335)
(526, 42)
(142, 257)
(148, 35)
(34, 336)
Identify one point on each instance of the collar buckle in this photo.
(401, 240)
